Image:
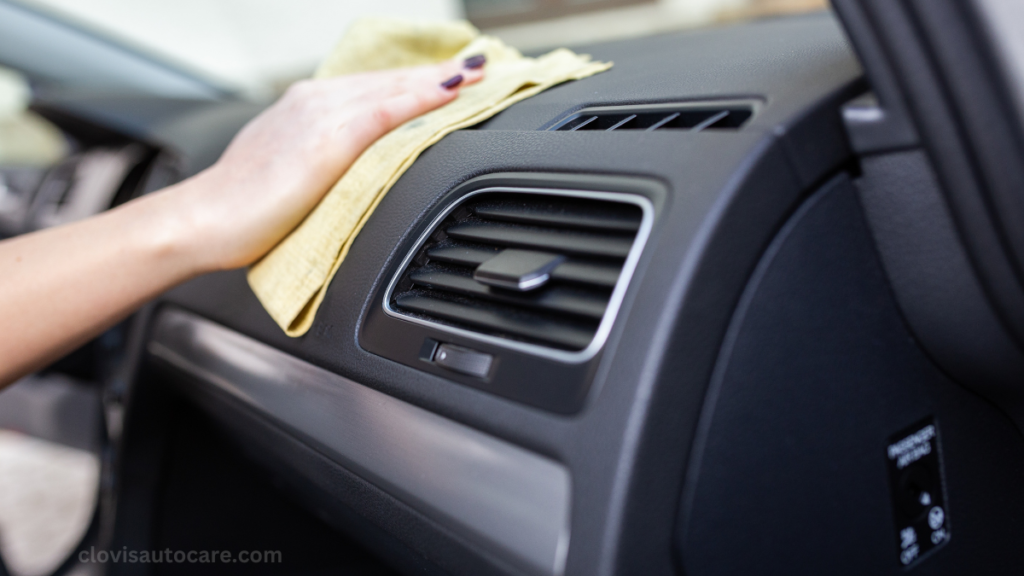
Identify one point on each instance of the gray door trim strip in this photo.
(513, 502)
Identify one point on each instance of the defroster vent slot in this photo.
(689, 116)
(584, 246)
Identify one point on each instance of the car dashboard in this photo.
(703, 377)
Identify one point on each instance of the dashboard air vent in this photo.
(537, 267)
(692, 117)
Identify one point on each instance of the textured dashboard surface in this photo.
(784, 61)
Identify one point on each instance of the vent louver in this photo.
(535, 267)
(692, 117)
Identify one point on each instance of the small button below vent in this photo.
(463, 360)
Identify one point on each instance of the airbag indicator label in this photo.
(918, 491)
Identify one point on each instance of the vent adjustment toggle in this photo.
(520, 270)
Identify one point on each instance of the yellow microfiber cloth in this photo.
(291, 279)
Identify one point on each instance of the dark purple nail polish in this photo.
(474, 62)
(452, 82)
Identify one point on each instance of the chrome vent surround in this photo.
(590, 241)
(690, 116)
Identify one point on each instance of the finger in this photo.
(432, 76)
(442, 73)
(391, 112)
(426, 92)
(383, 84)
(404, 77)
(471, 76)
(471, 69)
(397, 81)
(401, 108)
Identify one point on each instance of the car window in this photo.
(258, 48)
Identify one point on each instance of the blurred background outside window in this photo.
(260, 46)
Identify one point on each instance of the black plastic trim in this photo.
(545, 381)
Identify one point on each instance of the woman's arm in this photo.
(62, 286)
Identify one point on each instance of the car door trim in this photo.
(508, 500)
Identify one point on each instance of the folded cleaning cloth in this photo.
(291, 279)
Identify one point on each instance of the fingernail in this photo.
(452, 82)
(474, 62)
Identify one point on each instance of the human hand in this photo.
(64, 285)
(281, 164)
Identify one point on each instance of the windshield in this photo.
(258, 47)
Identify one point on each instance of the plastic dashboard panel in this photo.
(627, 435)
